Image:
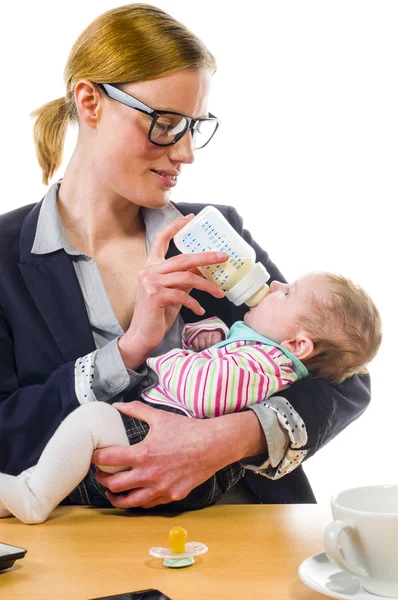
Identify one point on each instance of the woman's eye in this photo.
(286, 293)
(162, 128)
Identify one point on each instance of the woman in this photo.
(91, 283)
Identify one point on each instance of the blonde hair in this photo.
(346, 329)
(132, 43)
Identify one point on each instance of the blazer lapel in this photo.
(54, 287)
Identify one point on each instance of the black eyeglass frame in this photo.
(115, 93)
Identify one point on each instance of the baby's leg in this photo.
(64, 462)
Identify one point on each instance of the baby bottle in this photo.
(240, 276)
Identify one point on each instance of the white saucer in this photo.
(324, 577)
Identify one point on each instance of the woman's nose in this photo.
(182, 151)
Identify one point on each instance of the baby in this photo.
(322, 325)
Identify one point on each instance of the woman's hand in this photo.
(177, 455)
(163, 287)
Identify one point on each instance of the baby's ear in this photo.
(301, 346)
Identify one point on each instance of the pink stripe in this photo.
(203, 393)
(156, 363)
(226, 395)
(264, 377)
(275, 353)
(261, 375)
(191, 337)
(182, 379)
(172, 366)
(278, 373)
(289, 374)
(269, 357)
(257, 371)
(163, 359)
(195, 398)
(219, 387)
(205, 354)
(246, 399)
(233, 360)
(240, 390)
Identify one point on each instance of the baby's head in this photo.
(327, 321)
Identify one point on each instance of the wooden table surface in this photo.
(80, 553)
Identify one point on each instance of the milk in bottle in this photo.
(243, 280)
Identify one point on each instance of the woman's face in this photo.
(125, 162)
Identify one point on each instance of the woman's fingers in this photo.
(171, 297)
(162, 238)
(140, 497)
(144, 497)
(184, 262)
(189, 280)
(111, 455)
(181, 262)
(119, 482)
(122, 501)
(137, 410)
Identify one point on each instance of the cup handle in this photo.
(331, 543)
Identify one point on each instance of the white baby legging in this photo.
(65, 461)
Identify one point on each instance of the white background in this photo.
(308, 149)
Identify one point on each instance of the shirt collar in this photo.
(50, 235)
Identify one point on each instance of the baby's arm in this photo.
(64, 462)
(203, 334)
(218, 381)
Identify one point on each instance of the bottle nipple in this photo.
(258, 296)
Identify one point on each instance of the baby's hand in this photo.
(205, 339)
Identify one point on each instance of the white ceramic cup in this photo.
(363, 537)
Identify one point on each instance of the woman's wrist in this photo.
(133, 353)
(237, 436)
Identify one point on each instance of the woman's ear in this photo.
(301, 346)
(88, 102)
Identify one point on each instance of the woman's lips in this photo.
(167, 178)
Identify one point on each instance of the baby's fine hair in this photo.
(345, 327)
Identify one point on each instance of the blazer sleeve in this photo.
(29, 414)
(325, 408)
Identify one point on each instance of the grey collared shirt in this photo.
(102, 375)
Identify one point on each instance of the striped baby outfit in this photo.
(242, 370)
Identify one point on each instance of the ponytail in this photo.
(49, 133)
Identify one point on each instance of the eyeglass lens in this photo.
(169, 126)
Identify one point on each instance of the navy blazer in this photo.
(44, 328)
